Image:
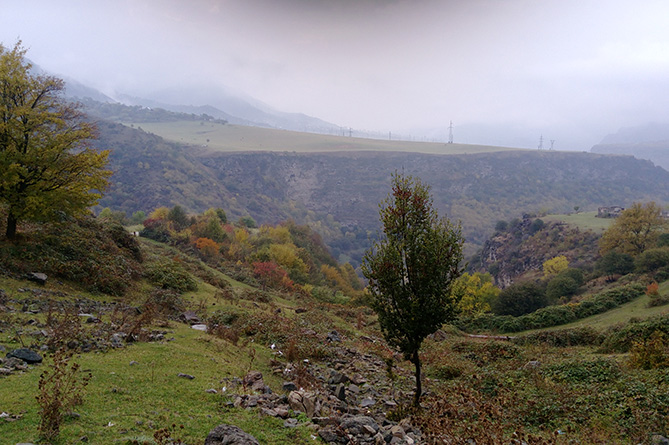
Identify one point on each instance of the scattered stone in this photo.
(532, 364)
(303, 401)
(340, 392)
(659, 440)
(289, 386)
(337, 377)
(290, 423)
(186, 376)
(300, 310)
(37, 277)
(333, 337)
(189, 317)
(211, 391)
(133, 363)
(254, 381)
(199, 327)
(5, 371)
(229, 435)
(25, 354)
(367, 402)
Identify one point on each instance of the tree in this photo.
(520, 298)
(47, 166)
(635, 230)
(411, 269)
(615, 263)
(555, 265)
(475, 293)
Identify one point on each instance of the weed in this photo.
(61, 388)
(650, 353)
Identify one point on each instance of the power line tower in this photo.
(552, 143)
(450, 133)
(541, 142)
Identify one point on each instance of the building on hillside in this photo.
(609, 212)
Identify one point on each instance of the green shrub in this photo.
(595, 371)
(652, 260)
(169, 274)
(621, 339)
(521, 298)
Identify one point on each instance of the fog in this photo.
(570, 71)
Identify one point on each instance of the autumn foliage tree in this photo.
(636, 229)
(47, 166)
(412, 268)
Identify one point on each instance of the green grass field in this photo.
(582, 220)
(231, 138)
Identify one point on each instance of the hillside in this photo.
(337, 192)
(286, 367)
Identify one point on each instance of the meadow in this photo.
(232, 138)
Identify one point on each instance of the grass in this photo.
(582, 220)
(130, 402)
(231, 138)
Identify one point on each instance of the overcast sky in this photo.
(570, 70)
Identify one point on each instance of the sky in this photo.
(570, 71)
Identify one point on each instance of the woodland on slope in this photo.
(337, 193)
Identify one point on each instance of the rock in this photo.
(360, 426)
(189, 317)
(199, 327)
(133, 363)
(253, 380)
(229, 435)
(289, 386)
(302, 401)
(367, 402)
(340, 392)
(186, 376)
(290, 423)
(14, 363)
(334, 336)
(337, 377)
(5, 371)
(37, 277)
(211, 391)
(659, 439)
(532, 364)
(300, 310)
(331, 434)
(26, 355)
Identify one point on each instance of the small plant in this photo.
(61, 388)
(163, 436)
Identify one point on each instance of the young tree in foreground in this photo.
(46, 165)
(412, 269)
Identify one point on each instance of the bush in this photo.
(520, 298)
(652, 260)
(615, 263)
(553, 315)
(169, 274)
(650, 353)
(561, 286)
(621, 339)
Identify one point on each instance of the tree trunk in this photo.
(11, 226)
(419, 389)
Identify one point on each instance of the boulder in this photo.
(253, 381)
(229, 435)
(302, 401)
(25, 354)
(37, 277)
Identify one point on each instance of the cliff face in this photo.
(524, 246)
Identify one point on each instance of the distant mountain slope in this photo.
(338, 193)
(645, 142)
